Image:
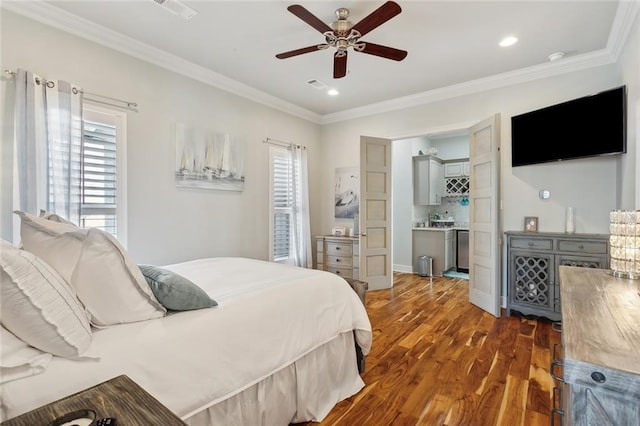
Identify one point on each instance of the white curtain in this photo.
(300, 221)
(48, 145)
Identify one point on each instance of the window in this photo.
(282, 204)
(103, 187)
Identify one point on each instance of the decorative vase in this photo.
(570, 226)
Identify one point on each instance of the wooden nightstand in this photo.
(119, 397)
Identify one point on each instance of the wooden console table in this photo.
(119, 397)
(600, 382)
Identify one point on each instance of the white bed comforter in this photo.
(269, 315)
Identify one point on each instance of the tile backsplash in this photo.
(450, 206)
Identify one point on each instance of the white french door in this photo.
(375, 212)
(484, 237)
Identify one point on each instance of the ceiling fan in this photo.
(342, 35)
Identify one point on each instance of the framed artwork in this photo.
(347, 192)
(208, 159)
(531, 224)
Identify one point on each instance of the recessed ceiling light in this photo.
(508, 41)
(332, 92)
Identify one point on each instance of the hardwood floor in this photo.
(439, 360)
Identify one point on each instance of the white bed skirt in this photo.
(306, 390)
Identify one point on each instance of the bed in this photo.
(279, 348)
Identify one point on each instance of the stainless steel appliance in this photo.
(462, 263)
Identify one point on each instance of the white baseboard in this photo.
(403, 268)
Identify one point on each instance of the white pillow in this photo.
(18, 360)
(54, 217)
(39, 307)
(106, 280)
(57, 243)
(110, 284)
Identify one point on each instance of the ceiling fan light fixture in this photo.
(342, 35)
(342, 25)
(508, 41)
(333, 92)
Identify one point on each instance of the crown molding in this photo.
(496, 81)
(622, 24)
(57, 18)
(65, 21)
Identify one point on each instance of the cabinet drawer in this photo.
(625, 385)
(338, 249)
(596, 247)
(340, 261)
(532, 243)
(343, 272)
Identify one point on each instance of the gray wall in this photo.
(166, 224)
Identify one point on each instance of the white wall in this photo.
(167, 224)
(402, 152)
(452, 148)
(587, 185)
(629, 172)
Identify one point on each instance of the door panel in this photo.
(375, 212)
(484, 250)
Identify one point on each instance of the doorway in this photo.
(452, 149)
(484, 221)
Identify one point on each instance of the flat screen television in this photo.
(584, 127)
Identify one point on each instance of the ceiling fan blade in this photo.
(383, 51)
(339, 65)
(377, 17)
(296, 52)
(309, 18)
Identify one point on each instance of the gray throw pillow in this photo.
(174, 291)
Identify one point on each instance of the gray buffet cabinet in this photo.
(599, 383)
(534, 258)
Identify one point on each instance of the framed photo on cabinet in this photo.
(531, 224)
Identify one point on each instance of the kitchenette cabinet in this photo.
(456, 179)
(428, 180)
(436, 243)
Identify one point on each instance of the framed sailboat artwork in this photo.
(208, 159)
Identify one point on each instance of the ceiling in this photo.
(450, 43)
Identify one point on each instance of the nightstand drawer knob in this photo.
(598, 377)
(581, 246)
(530, 243)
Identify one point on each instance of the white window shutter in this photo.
(282, 204)
(99, 190)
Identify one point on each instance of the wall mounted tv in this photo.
(584, 127)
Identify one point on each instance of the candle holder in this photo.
(624, 243)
